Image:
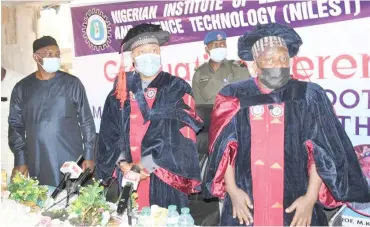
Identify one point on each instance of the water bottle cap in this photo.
(154, 207)
(146, 211)
(172, 207)
(185, 210)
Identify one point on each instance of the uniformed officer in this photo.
(212, 76)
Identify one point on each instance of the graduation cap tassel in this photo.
(120, 91)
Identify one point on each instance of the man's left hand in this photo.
(88, 164)
(303, 208)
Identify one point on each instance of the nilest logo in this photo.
(150, 94)
(257, 112)
(96, 30)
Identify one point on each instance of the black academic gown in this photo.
(173, 152)
(311, 133)
(50, 122)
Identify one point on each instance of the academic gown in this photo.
(160, 122)
(272, 140)
(50, 122)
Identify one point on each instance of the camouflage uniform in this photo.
(207, 83)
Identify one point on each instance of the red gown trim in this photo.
(267, 164)
(218, 187)
(325, 196)
(189, 101)
(182, 184)
(224, 110)
(136, 138)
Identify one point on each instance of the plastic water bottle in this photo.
(186, 219)
(172, 216)
(144, 219)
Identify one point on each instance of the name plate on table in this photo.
(352, 219)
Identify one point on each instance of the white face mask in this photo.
(148, 64)
(218, 54)
(51, 65)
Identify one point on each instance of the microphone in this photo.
(81, 180)
(76, 185)
(74, 171)
(130, 183)
(72, 168)
(72, 188)
(132, 176)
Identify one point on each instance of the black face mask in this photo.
(274, 78)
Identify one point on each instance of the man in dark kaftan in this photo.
(149, 121)
(275, 141)
(50, 120)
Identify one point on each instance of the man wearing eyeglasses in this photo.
(212, 76)
(50, 121)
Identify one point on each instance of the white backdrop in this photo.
(330, 52)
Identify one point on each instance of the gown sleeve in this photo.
(330, 149)
(111, 141)
(170, 139)
(17, 142)
(86, 121)
(223, 144)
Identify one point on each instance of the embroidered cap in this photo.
(251, 44)
(137, 36)
(144, 34)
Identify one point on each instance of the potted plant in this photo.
(27, 191)
(90, 208)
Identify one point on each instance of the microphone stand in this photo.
(81, 180)
(72, 188)
(61, 185)
(68, 187)
(129, 210)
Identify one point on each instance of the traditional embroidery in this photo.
(277, 205)
(275, 166)
(269, 41)
(144, 40)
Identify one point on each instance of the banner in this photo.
(98, 29)
(335, 51)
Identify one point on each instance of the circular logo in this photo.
(277, 111)
(150, 94)
(258, 110)
(96, 30)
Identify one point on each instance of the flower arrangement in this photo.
(27, 191)
(90, 208)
